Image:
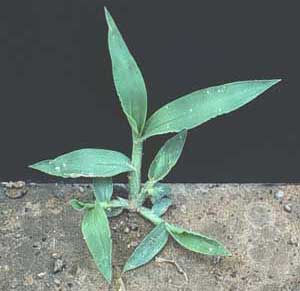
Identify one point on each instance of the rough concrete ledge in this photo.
(41, 247)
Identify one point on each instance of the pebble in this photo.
(57, 282)
(126, 229)
(59, 194)
(279, 195)
(28, 280)
(41, 275)
(70, 285)
(183, 209)
(15, 185)
(216, 260)
(230, 236)
(292, 242)
(36, 245)
(56, 256)
(133, 227)
(14, 284)
(59, 265)
(81, 189)
(15, 194)
(132, 244)
(287, 208)
(18, 235)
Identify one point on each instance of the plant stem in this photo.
(136, 160)
(143, 211)
(144, 191)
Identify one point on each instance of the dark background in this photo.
(57, 93)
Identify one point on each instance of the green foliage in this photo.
(167, 157)
(103, 188)
(86, 163)
(151, 245)
(157, 191)
(197, 242)
(96, 232)
(78, 205)
(160, 207)
(198, 107)
(178, 116)
(128, 78)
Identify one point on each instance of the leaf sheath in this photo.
(103, 188)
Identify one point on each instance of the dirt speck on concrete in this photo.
(40, 232)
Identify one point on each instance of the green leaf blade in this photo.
(159, 191)
(198, 107)
(160, 207)
(151, 245)
(86, 163)
(167, 157)
(103, 189)
(96, 232)
(128, 78)
(197, 242)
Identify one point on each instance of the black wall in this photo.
(57, 93)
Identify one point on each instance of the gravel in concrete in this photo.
(40, 228)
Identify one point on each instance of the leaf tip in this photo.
(227, 253)
(41, 166)
(34, 166)
(269, 83)
(107, 15)
(108, 277)
(275, 81)
(106, 10)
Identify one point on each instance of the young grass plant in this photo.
(101, 165)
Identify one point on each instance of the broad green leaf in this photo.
(158, 191)
(103, 188)
(96, 232)
(86, 163)
(198, 107)
(197, 242)
(161, 206)
(151, 245)
(167, 157)
(128, 78)
(78, 205)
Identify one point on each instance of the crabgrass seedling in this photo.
(101, 165)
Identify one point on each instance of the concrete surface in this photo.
(41, 247)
